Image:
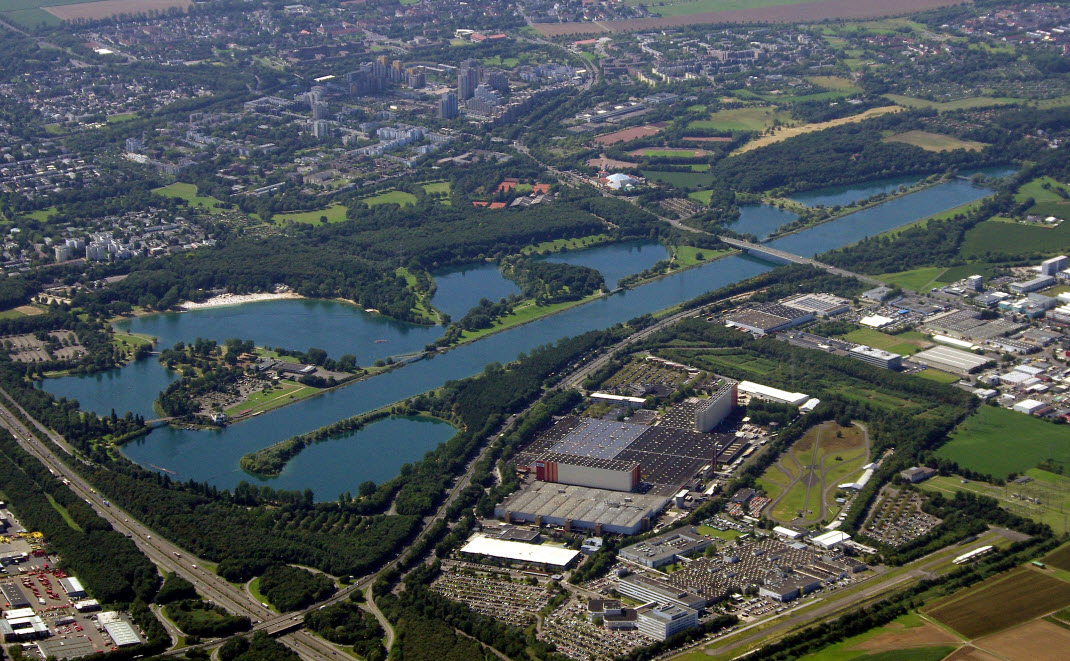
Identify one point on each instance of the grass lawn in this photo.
(937, 375)
(786, 132)
(999, 441)
(1053, 492)
(129, 342)
(727, 535)
(995, 238)
(904, 344)
(935, 141)
(13, 313)
(689, 255)
(336, 213)
(423, 303)
(121, 117)
(701, 196)
(254, 589)
(682, 153)
(188, 192)
(922, 279)
(855, 648)
(42, 215)
(1036, 189)
(284, 393)
(961, 104)
(835, 83)
(755, 118)
(557, 245)
(397, 197)
(700, 167)
(437, 187)
(64, 513)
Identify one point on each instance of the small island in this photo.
(226, 383)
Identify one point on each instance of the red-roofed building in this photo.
(497, 205)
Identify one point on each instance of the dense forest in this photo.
(552, 282)
(292, 588)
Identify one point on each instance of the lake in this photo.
(341, 328)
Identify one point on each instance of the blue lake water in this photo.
(336, 466)
(761, 220)
(614, 261)
(844, 195)
(459, 289)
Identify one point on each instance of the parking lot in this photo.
(578, 638)
(495, 594)
(897, 518)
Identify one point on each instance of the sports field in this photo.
(835, 83)
(998, 441)
(665, 152)
(680, 179)
(935, 141)
(802, 484)
(1001, 602)
(754, 118)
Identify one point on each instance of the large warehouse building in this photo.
(951, 360)
(767, 318)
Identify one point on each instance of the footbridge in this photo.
(772, 254)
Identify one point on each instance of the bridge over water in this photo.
(772, 254)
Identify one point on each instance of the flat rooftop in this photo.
(598, 439)
(560, 502)
(955, 359)
(498, 548)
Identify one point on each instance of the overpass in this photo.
(781, 257)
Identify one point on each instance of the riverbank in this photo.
(224, 300)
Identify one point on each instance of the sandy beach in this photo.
(235, 299)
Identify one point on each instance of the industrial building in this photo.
(573, 507)
(1053, 266)
(772, 394)
(822, 305)
(1035, 284)
(951, 360)
(666, 549)
(1030, 406)
(767, 318)
(877, 357)
(13, 596)
(587, 471)
(711, 412)
(876, 321)
(661, 621)
(831, 539)
(122, 634)
(21, 627)
(917, 474)
(73, 587)
(647, 588)
(547, 556)
(785, 569)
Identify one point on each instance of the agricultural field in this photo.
(690, 7)
(934, 141)
(802, 484)
(998, 441)
(336, 213)
(786, 132)
(994, 237)
(904, 344)
(914, 638)
(108, 8)
(1000, 603)
(400, 198)
(188, 192)
(754, 118)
